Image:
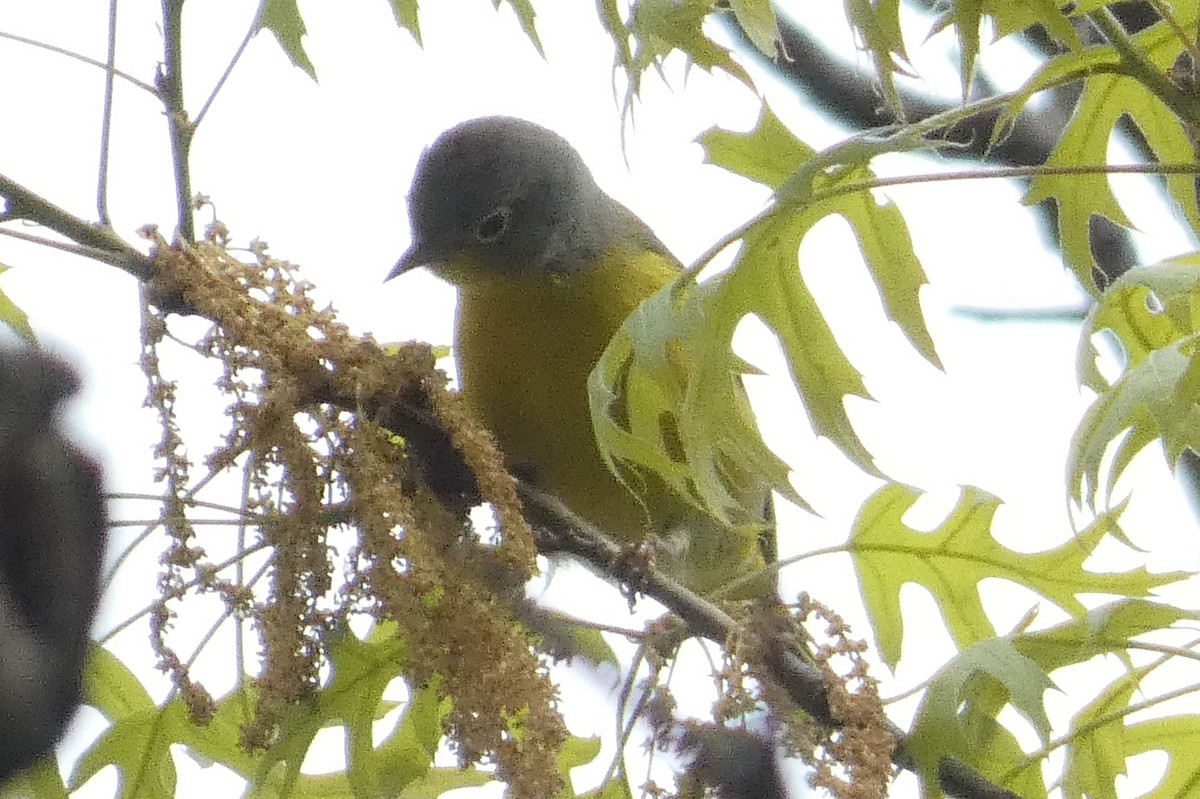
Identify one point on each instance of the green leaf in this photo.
(769, 154)
(1146, 308)
(141, 733)
(110, 686)
(361, 671)
(616, 788)
(405, 13)
(1179, 738)
(525, 15)
(1059, 71)
(406, 756)
(1104, 630)
(766, 281)
(1011, 16)
(1096, 749)
(138, 744)
(1150, 311)
(1158, 398)
(40, 781)
(967, 15)
(13, 316)
(433, 784)
(877, 25)
(1105, 100)
(220, 741)
(883, 239)
(438, 781)
(1107, 629)
(659, 28)
(952, 560)
(577, 752)
(1085, 141)
(757, 19)
(282, 18)
(673, 357)
(950, 723)
(566, 636)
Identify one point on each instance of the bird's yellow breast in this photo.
(525, 346)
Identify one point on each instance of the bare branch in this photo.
(96, 241)
(170, 89)
(146, 87)
(106, 118)
(237, 56)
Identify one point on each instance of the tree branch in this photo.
(558, 530)
(98, 241)
(170, 91)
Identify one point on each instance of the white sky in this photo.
(320, 172)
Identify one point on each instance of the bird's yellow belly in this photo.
(525, 346)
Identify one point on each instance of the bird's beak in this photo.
(414, 258)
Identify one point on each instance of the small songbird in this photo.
(547, 267)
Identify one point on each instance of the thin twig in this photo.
(997, 173)
(559, 530)
(191, 501)
(170, 86)
(237, 56)
(141, 84)
(98, 241)
(195, 582)
(189, 498)
(103, 256)
(239, 569)
(106, 118)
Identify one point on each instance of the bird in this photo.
(548, 266)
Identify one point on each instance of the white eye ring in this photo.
(492, 225)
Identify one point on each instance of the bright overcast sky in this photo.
(320, 172)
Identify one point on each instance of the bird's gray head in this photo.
(508, 197)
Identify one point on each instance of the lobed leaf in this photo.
(953, 559)
(950, 723)
(1157, 399)
(1106, 100)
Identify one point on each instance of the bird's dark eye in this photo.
(492, 226)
